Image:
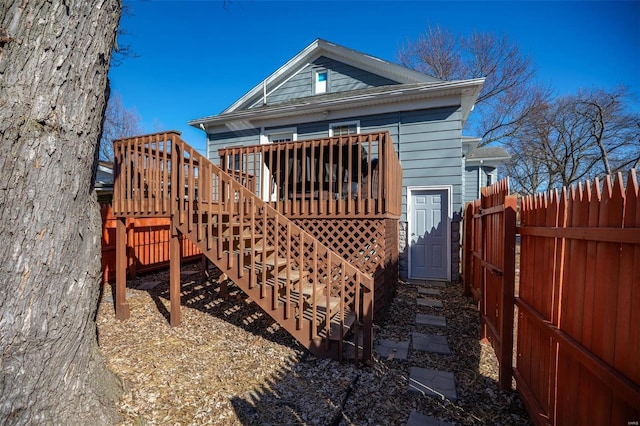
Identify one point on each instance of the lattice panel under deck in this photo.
(370, 244)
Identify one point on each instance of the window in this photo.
(320, 81)
(343, 129)
(280, 137)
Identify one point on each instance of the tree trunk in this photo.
(54, 58)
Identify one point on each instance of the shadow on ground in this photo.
(308, 390)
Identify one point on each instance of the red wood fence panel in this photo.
(490, 226)
(147, 244)
(472, 250)
(579, 323)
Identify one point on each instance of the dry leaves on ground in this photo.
(229, 363)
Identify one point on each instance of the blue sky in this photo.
(197, 57)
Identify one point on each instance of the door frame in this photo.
(266, 175)
(449, 218)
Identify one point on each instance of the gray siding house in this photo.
(329, 90)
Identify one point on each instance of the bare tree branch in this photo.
(509, 91)
(119, 122)
(574, 138)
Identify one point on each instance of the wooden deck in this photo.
(319, 287)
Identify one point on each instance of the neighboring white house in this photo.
(104, 181)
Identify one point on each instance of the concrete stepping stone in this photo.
(148, 285)
(392, 349)
(418, 419)
(440, 384)
(430, 343)
(437, 320)
(429, 291)
(432, 303)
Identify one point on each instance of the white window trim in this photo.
(266, 175)
(449, 189)
(344, 123)
(264, 134)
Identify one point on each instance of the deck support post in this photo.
(121, 305)
(174, 274)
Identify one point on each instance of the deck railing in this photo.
(160, 175)
(345, 176)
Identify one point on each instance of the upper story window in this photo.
(280, 135)
(343, 129)
(320, 81)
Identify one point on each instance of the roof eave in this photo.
(467, 89)
(497, 160)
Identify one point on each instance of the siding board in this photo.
(342, 77)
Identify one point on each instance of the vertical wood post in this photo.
(505, 371)
(121, 305)
(367, 326)
(174, 274)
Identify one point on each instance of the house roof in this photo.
(334, 51)
(414, 90)
(469, 143)
(489, 155)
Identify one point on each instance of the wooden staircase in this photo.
(311, 291)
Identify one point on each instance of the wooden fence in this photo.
(578, 327)
(147, 244)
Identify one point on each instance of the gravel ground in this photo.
(229, 364)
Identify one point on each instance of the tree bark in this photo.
(54, 59)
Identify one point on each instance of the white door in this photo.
(428, 234)
(268, 188)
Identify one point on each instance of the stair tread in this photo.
(294, 274)
(278, 261)
(307, 289)
(334, 330)
(321, 302)
(246, 232)
(259, 248)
